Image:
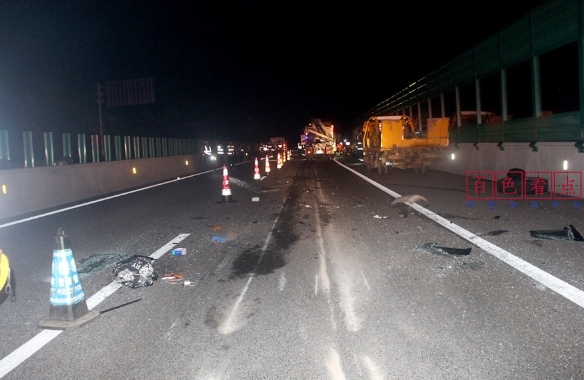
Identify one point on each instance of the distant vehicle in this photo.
(357, 149)
(309, 152)
(320, 135)
(267, 149)
(278, 142)
(357, 146)
(344, 148)
(280, 145)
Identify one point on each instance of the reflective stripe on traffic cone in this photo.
(267, 164)
(68, 308)
(256, 170)
(279, 164)
(226, 189)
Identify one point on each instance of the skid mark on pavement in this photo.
(282, 281)
(348, 300)
(322, 271)
(210, 370)
(375, 373)
(345, 277)
(233, 321)
(334, 367)
(365, 282)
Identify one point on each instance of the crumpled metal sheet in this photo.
(568, 233)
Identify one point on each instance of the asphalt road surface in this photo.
(322, 278)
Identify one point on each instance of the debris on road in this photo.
(494, 233)
(537, 243)
(455, 252)
(135, 271)
(380, 217)
(171, 276)
(452, 216)
(255, 199)
(497, 232)
(218, 239)
(568, 233)
(403, 214)
(179, 251)
(409, 198)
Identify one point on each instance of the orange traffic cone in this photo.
(68, 309)
(279, 164)
(226, 190)
(256, 170)
(267, 164)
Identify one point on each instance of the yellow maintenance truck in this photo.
(393, 142)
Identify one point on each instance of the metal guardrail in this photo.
(76, 151)
(46, 150)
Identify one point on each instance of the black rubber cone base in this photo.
(227, 199)
(68, 325)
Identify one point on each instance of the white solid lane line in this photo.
(100, 200)
(16, 357)
(561, 287)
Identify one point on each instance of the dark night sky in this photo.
(240, 70)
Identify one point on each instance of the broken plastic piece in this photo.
(568, 233)
(456, 252)
(380, 217)
(179, 251)
(171, 277)
(409, 198)
(218, 239)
